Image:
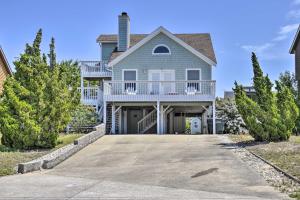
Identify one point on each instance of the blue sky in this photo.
(236, 27)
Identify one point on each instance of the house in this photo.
(295, 49)
(4, 69)
(249, 90)
(151, 83)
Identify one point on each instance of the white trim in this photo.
(152, 35)
(187, 69)
(200, 77)
(6, 61)
(113, 119)
(294, 41)
(161, 45)
(136, 77)
(214, 116)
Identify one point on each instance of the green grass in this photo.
(296, 195)
(9, 158)
(64, 140)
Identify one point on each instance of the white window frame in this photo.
(200, 76)
(123, 75)
(161, 53)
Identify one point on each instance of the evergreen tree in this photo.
(38, 101)
(270, 117)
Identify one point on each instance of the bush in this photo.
(272, 116)
(83, 117)
(228, 111)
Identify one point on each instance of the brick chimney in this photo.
(124, 32)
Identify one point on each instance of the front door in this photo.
(134, 115)
(166, 86)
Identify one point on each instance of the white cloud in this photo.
(296, 2)
(284, 32)
(266, 50)
(288, 29)
(259, 49)
(293, 14)
(280, 38)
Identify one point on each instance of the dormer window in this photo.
(161, 49)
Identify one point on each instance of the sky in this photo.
(237, 28)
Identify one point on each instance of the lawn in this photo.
(10, 158)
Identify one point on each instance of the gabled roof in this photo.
(295, 41)
(198, 43)
(6, 64)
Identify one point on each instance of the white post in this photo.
(214, 116)
(158, 117)
(113, 119)
(104, 112)
(162, 119)
(120, 121)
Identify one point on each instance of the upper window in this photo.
(161, 49)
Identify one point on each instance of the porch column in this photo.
(214, 116)
(120, 121)
(113, 119)
(104, 112)
(162, 119)
(158, 117)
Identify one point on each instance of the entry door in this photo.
(168, 87)
(162, 87)
(133, 117)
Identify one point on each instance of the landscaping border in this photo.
(275, 167)
(54, 158)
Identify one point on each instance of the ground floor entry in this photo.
(160, 118)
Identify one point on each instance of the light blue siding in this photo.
(179, 60)
(106, 50)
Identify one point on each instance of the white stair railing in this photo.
(147, 122)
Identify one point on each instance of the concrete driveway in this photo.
(145, 167)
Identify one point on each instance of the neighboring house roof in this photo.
(198, 43)
(6, 64)
(295, 41)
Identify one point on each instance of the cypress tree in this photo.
(271, 116)
(37, 102)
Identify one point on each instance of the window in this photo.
(193, 77)
(161, 49)
(129, 76)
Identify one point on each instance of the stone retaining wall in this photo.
(54, 158)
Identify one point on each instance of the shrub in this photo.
(84, 116)
(233, 122)
(272, 116)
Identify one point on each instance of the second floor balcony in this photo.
(143, 91)
(94, 69)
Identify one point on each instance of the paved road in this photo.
(145, 167)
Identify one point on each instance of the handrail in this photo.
(146, 87)
(147, 121)
(95, 68)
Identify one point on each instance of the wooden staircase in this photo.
(147, 122)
